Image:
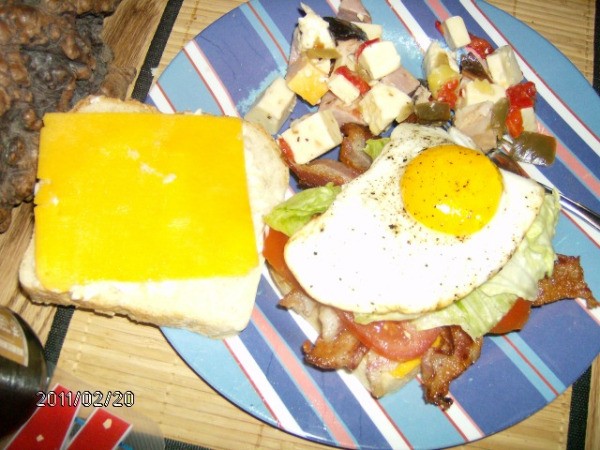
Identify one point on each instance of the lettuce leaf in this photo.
(291, 215)
(482, 309)
(478, 312)
(373, 147)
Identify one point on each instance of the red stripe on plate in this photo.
(297, 371)
(530, 364)
(211, 79)
(268, 31)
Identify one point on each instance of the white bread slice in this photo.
(216, 307)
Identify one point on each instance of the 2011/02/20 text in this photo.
(98, 399)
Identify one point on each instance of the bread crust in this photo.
(216, 307)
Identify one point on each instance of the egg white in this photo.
(366, 254)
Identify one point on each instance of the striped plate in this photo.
(222, 71)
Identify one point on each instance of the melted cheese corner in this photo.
(138, 197)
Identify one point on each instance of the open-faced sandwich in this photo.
(155, 216)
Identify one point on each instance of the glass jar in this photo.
(23, 371)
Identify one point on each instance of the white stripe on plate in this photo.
(160, 100)
(264, 387)
(422, 39)
(464, 422)
(199, 60)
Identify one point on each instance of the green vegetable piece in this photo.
(534, 148)
(432, 112)
(374, 147)
(291, 215)
(499, 114)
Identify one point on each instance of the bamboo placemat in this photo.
(112, 353)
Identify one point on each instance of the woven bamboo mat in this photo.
(112, 353)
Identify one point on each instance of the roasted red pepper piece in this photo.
(449, 93)
(354, 78)
(480, 46)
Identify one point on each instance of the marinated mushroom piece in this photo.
(343, 30)
(472, 66)
(51, 56)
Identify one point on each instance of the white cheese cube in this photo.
(323, 64)
(406, 109)
(372, 30)
(382, 105)
(379, 59)
(478, 91)
(529, 120)
(314, 36)
(311, 136)
(273, 107)
(343, 88)
(455, 32)
(504, 67)
(347, 50)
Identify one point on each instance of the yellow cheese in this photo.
(309, 81)
(137, 197)
(404, 368)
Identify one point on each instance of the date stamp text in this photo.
(97, 399)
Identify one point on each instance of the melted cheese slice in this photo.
(137, 197)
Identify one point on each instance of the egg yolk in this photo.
(452, 189)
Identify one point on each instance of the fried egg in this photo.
(429, 222)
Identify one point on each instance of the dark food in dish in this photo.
(51, 56)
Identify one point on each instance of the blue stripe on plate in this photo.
(504, 395)
(212, 358)
(283, 382)
(568, 327)
(236, 50)
(182, 73)
(530, 365)
(278, 44)
(338, 397)
(408, 408)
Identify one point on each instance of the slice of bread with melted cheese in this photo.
(155, 216)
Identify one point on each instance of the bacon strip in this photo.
(322, 171)
(352, 149)
(442, 364)
(566, 282)
(344, 351)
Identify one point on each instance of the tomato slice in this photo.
(273, 247)
(515, 319)
(354, 78)
(396, 340)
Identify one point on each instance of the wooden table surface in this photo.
(115, 354)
